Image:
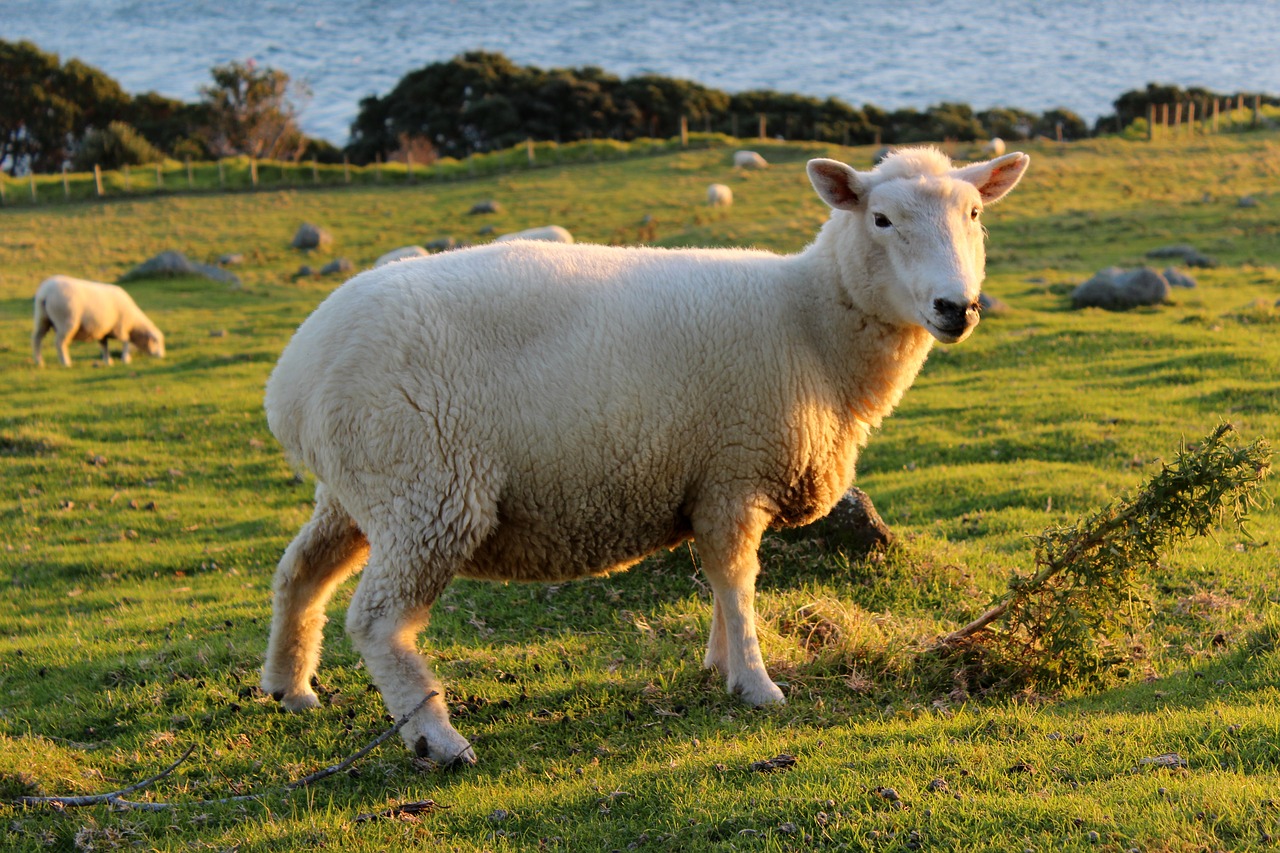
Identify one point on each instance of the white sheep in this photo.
(531, 411)
(719, 195)
(79, 310)
(749, 160)
(994, 146)
(547, 233)
(404, 253)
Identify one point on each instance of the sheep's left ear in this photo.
(837, 184)
(995, 178)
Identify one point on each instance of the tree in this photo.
(45, 106)
(249, 111)
(114, 146)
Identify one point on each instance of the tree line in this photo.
(55, 114)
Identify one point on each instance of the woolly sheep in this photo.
(718, 195)
(994, 146)
(548, 233)
(749, 160)
(537, 412)
(404, 253)
(79, 310)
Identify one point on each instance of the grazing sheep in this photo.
(718, 195)
(530, 411)
(547, 233)
(404, 253)
(79, 310)
(994, 146)
(749, 160)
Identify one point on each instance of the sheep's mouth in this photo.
(950, 334)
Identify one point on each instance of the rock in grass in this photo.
(336, 266)
(1177, 278)
(1116, 289)
(486, 206)
(171, 264)
(1190, 255)
(309, 236)
(853, 527)
(992, 306)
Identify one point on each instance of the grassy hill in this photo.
(143, 508)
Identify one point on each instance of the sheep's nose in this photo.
(952, 315)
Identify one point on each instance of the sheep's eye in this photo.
(973, 214)
(881, 220)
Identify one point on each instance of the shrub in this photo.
(116, 145)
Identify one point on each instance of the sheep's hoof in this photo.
(760, 695)
(298, 701)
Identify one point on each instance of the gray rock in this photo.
(853, 526)
(1117, 289)
(1247, 201)
(992, 306)
(444, 244)
(337, 265)
(304, 271)
(1177, 278)
(231, 260)
(488, 229)
(1190, 255)
(170, 264)
(486, 206)
(310, 236)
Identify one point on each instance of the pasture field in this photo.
(143, 509)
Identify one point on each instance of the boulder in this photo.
(170, 264)
(336, 266)
(443, 244)
(853, 526)
(487, 206)
(1247, 201)
(1117, 289)
(992, 306)
(1189, 255)
(231, 259)
(402, 254)
(1177, 278)
(310, 236)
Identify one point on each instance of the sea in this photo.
(1033, 54)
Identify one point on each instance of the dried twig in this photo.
(112, 797)
(403, 810)
(116, 798)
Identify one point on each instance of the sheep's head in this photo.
(911, 233)
(150, 341)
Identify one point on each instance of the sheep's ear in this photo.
(995, 178)
(837, 184)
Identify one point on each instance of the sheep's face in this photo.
(149, 341)
(912, 238)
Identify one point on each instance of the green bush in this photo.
(116, 145)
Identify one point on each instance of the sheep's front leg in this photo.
(728, 546)
(391, 606)
(106, 351)
(125, 355)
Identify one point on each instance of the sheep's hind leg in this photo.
(728, 549)
(326, 551)
(391, 606)
(42, 327)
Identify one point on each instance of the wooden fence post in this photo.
(528, 150)
(1151, 122)
(33, 188)
(684, 131)
(222, 178)
(66, 185)
(761, 131)
(1191, 118)
(159, 178)
(346, 169)
(190, 178)
(97, 178)
(734, 118)
(1215, 114)
(253, 171)
(1257, 110)
(128, 178)
(408, 166)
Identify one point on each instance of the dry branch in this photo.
(116, 798)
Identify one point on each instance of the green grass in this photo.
(143, 508)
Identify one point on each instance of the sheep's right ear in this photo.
(836, 184)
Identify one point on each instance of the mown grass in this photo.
(144, 506)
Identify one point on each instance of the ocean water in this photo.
(1033, 54)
